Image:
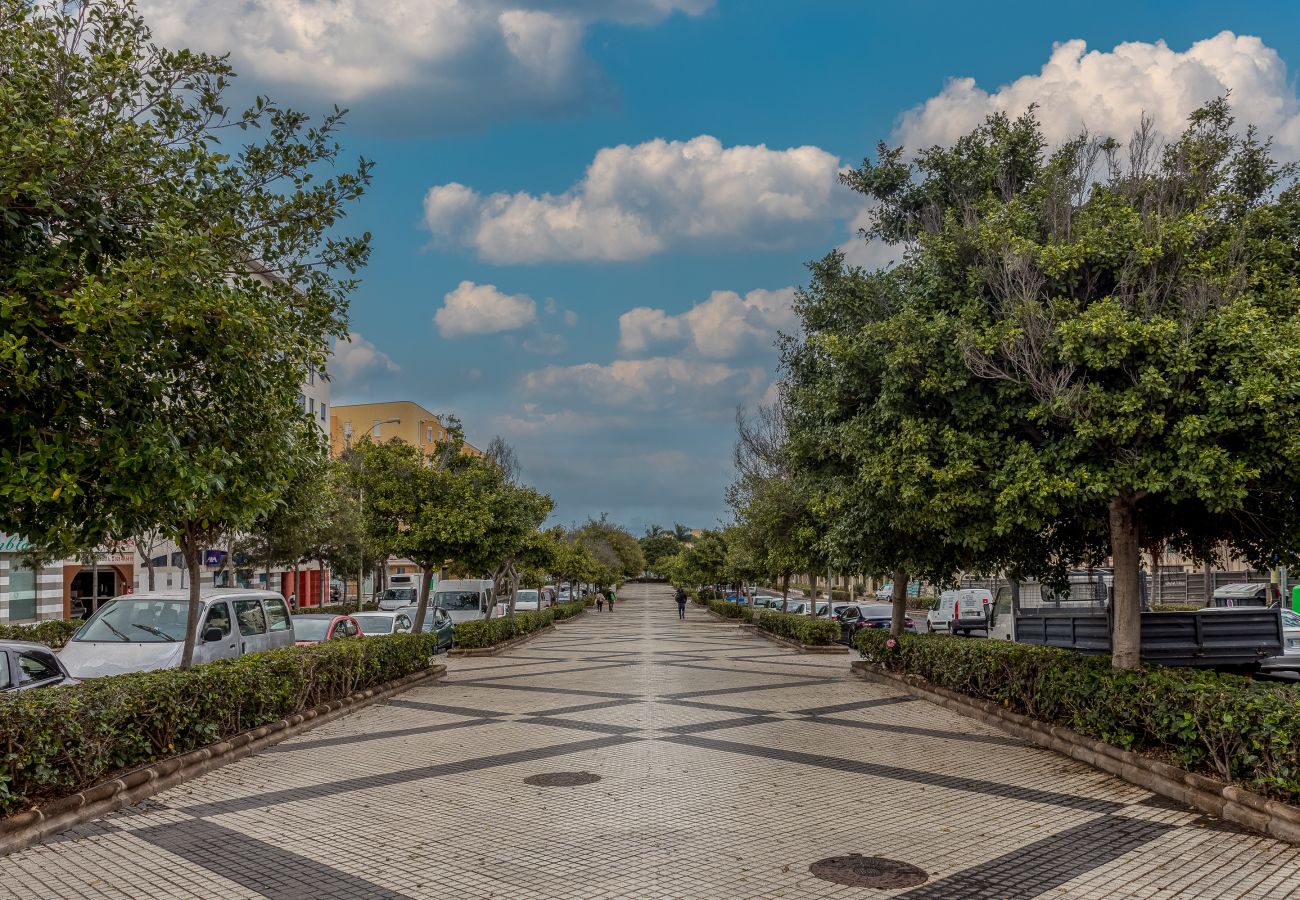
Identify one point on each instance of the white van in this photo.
(973, 610)
(939, 618)
(464, 599)
(146, 631)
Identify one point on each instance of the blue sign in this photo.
(213, 558)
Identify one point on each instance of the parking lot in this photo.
(627, 754)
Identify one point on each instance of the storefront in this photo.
(60, 589)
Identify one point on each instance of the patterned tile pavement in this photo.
(727, 766)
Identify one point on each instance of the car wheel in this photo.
(929, 627)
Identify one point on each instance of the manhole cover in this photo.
(868, 871)
(562, 779)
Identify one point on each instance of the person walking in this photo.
(609, 597)
(600, 602)
(681, 603)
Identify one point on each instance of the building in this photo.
(402, 419)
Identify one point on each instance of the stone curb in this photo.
(1209, 795)
(21, 831)
(802, 648)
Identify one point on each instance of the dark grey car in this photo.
(26, 666)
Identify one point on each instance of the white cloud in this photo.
(723, 326)
(1109, 91)
(532, 422)
(355, 357)
(636, 201)
(482, 309)
(426, 64)
(873, 254)
(686, 387)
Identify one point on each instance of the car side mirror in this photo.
(212, 635)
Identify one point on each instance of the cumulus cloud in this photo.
(723, 326)
(1109, 91)
(482, 309)
(687, 387)
(356, 357)
(432, 65)
(533, 421)
(636, 201)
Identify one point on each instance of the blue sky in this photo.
(607, 324)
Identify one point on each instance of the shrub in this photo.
(1239, 729)
(52, 634)
(490, 632)
(730, 610)
(806, 630)
(55, 741)
(568, 610)
(337, 609)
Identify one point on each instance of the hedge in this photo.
(806, 630)
(490, 632)
(56, 741)
(54, 633)
(1233, 727)
(730, 610)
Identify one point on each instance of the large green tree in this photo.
(1126, 316)
(169, 273)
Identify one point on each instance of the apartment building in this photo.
(402, 419)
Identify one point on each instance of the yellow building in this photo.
(401, 419)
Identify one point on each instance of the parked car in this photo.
(146, 631)
(435, 620)
(24, 666)
(396, 598)
(854, 617)
(1289, 659)
(374, 624)
(315, 628)
(796, 606)
(1255, 593)
(834, 610)
(972, 611)
(526, 601)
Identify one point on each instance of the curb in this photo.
(21, 831)
(1209, 795)
(802, 648)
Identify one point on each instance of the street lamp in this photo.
(361, 498)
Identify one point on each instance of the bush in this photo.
(1177, 607)
(336, 609)
(490, 632)
(729, 610)
(806, 630)
(56, 741)
(52, 634)
(568, 610)
(1238, 729)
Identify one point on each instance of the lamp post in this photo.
(361, 501)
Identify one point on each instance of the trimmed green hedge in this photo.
(730, 610)
(56, 741)
(336, 609)
(806, 630)
(1236, 728)
(490, 632)
(53, 634)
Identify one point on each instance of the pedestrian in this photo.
(681, 603)
(609, 597)
(293, 602)
(600, 602)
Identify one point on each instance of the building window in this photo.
(311, 374)
(311, 406)
(302, 400)
(22, 593)
(322, 410)
(401, 570)
(430, 437)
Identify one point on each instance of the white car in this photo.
(374, 624)
(1289, 660)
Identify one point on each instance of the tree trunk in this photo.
(1126, 605)
(426, 572)
(94, 579)
(785, 592)
(514, 590)
(324, 595)
(1208, 587)
(190, 549)
(150, 566)
(900, 603)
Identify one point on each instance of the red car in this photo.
(313, 629)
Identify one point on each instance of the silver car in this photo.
(1289, 659)
(146, 631)
(374, 624)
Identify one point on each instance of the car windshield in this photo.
(877, 611)
(310, 628)
(457, 600)
(375, 624)
(137, 620)
(406, 595)
(526, 597)
(1290, 619)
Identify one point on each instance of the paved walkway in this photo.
(726, 765)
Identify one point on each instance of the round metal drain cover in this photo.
(562, 779)
(857, 870)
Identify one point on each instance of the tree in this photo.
(658, 545)
(162, 292)
(1128, 314)
(429, 510)
(614, 547)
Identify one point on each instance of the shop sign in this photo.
(13, 543)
